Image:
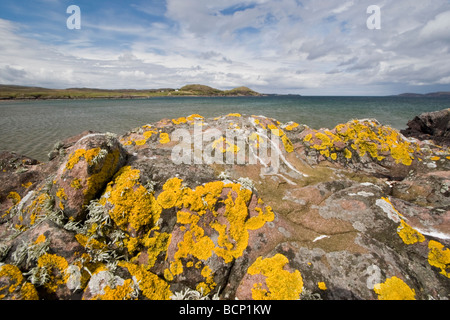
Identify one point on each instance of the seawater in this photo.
(33, 127)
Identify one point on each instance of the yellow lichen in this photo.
(55, 266)
(156, 244)
(365, 137)
(408, 234)
(61, 195)
(322, 286)
(19, 289)
(233, 234)
(238, 115)
(140, 142)
(120, 292)
(223, 145)
(88, 155)
(74, 158)
(164, 138)
(291, 127)
(14, 196)
(208, 285)
(152, 287)
(179, 120)
(27, 185)
(89, 243)
(36, 208)
(439, 257)
(132, 205)
(394, 289)
(96, 181)
(40, 239)
(76, 184)
(194, 117)
(281, 284)
(308, 137)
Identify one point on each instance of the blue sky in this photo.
(284, 46)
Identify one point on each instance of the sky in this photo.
(272, 46)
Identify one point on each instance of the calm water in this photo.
(33, 127)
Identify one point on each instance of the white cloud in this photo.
(273, 46)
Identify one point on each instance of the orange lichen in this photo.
(88, 155)
(322, 286)
(233, 234)
(56, 267)
(14, 196)
(132, 205)
(439, 257)
(119, 292)
(194, 117)
(408, 234)
(152, 287)
(76, 184)
(61, 195)
(27, 185)
(238, 115)
(97, 181)
(179, 120)
(291, 127)
(281, 284)
(365, 137)
(164, 138)
(36, 208)
(223, 145)
(394, 289)
(18, 289)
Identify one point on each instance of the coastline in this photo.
(12, 92)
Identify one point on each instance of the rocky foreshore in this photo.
(235, 207)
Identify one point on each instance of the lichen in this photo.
(126, 291)
(223, 145)
(54, 267)
(291, 126)
(322, 285)
(364, 137)
(19, 289)
(97, 180)
(132, 205)
(152, 287)
(88, 155)
(164, 138)
(232, 233)
(179, 120)
(76, 184)
(61, 196)
(439, 257)
(238, 115)
(280, 283)
(394, 289)
(408, 234)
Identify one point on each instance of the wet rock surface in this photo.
(232, 207)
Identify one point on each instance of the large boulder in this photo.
(232, 207)
(89, 165)
(433, 126)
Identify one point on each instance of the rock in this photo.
(89, 165)
(433, 126)
(232, 207)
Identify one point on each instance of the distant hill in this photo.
(11, 92)
(433, 94)
(202, 90)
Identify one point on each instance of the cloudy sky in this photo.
(278, 46)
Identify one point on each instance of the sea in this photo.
(33, 127)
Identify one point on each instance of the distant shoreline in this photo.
(25, 93)
(12, 92)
